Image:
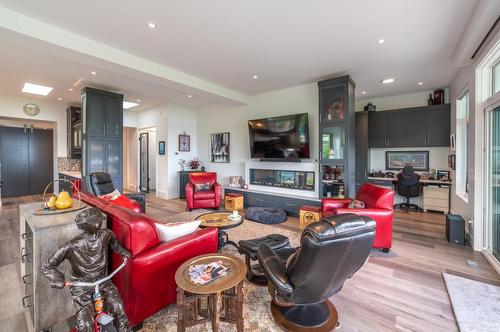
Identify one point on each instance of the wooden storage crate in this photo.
(309, 214)
(233, 201)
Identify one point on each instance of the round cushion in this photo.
(266, 215)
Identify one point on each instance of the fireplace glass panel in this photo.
(300, 180)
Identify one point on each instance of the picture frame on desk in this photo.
(397, 160)
(452, 162)
(442, 175)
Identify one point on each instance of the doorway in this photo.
(26, 160)
(147, 159)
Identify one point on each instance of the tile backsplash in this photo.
(68, 164)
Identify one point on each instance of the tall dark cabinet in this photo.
(362, 152)
(336, 137)
(74, 132)
(102, 115)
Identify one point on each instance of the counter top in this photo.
(45, 221)
(76, 175)
(421, 180)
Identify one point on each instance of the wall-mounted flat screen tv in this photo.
(281, 137)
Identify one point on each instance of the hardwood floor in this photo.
(400, 291)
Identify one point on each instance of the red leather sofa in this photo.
(379, 205)
(147, 282)
(204, 198)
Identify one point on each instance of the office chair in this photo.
(408, 185)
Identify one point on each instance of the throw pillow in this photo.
(111, 196)
(172, 231)
(355, 204)
(202, 186)
(122, 201)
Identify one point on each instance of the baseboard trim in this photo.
(492, 260)
(161, 194)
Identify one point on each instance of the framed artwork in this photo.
(161, 147)
(453, 142)
(184, 143)
(451, 162)
(397, 160)
(219, 148)
(443, 175)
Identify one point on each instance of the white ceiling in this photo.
(285, 42)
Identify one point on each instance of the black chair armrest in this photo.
(138, 197)
(274, 269)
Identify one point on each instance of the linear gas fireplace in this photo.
(300, 180)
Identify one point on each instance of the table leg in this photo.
(239, 307)
(216, 313)
(224, 240)
(181, 310)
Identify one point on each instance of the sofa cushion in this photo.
(201, 195)
(172, 231)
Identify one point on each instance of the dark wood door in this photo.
(377, 129)
(361, 161)
(416, 128)
(41, 161)
(14, 147)
(144, 162)
(438, 125)
(396, 133)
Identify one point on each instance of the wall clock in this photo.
(31, 109)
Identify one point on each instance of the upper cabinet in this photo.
(411, 127)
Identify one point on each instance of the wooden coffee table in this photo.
(222, 295)
(220, 220)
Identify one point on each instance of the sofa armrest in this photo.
(189, 195)
(373, 213)
(217, 188)
(274, 269)
(332, 204)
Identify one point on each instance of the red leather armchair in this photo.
(147, 283)
(378, 205)
(205, 198)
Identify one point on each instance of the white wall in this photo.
(406, 100)
(214, 119)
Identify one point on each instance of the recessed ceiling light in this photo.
(70, 89)
(138, 100)
(36, 89)
(420, 83)
(151, 25)
(59, 98)
(381, 41)
(189, 96)
(93, 73)
(388, 80)
(255, 77)
(364, 92)
(129, 104)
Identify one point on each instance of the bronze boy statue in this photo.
(88, 256)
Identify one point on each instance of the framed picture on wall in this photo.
(397, 160)
(184, 143)
(451, 161)
(161, 147)
(219, 148)
(453, 142)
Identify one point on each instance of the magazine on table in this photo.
(202, 274)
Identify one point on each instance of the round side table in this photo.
(223, 296)
(222, 222)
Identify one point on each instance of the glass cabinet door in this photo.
(333, 142)
(333, 105)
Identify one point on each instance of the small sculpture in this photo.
(87, 254)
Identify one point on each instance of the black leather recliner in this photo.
(331, 251)
(100, 183)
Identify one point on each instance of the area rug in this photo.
(476, 304)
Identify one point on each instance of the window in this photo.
(461, 145)
(496, 77)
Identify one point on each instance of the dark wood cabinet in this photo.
(102, 112)
(362, 153)
(412, 127)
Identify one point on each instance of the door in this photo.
(493, 183)
(144, 162)
(14, 160)
(416, 128)
(438, 126)
(396, 133)
(377, 130)
(40, 154)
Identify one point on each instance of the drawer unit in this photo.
(436, 199)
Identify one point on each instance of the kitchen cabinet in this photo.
(74, 132)
(362, 154)
(424, 126)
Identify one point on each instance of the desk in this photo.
(435, 194)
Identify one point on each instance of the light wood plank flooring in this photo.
(400, 291)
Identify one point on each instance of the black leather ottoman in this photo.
(279, 243)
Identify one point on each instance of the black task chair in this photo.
(408, 185)
(100, 183)
(331, 251)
